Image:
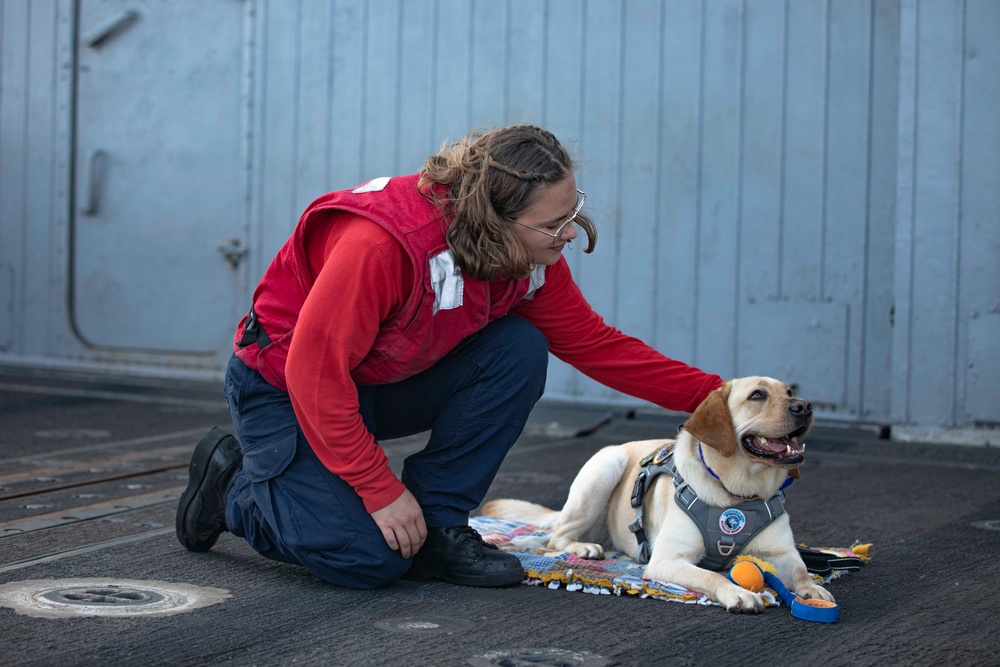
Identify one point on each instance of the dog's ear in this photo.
(794, 472)
(712, 423)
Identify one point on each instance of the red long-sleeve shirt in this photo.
(363, 275)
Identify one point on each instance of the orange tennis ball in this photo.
(747, 575)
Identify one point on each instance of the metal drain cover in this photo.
(67, 598)
(533, 657)
(104, 595)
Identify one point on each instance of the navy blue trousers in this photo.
(291, 508)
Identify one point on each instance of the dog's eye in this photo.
(757, 395)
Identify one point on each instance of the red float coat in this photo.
(368, 288)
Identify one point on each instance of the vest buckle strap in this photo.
(639, 489)
(642, 555)
(253, 332)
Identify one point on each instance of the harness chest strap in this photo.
(652, 466)
(725, 531)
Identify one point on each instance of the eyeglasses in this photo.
(581, 197)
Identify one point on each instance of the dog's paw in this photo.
(740, 601)
(586, 550)
(814, 592)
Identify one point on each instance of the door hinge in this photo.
(233, 251)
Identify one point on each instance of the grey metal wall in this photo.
(804, 189)
(946, 342)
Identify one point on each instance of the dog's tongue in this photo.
(776, 446)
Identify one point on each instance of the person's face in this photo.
(553, 206)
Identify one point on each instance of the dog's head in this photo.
(757, 415)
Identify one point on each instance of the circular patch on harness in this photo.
(423, 624)
(69, 598)
(732, 521)
(532, 657)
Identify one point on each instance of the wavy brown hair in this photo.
(490, 177)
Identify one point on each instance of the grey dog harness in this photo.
(725, 530)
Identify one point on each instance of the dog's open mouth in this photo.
(786, 450)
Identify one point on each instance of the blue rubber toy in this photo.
(818, 611)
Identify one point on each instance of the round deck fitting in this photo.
(68, 598)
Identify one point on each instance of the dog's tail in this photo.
(521, 510)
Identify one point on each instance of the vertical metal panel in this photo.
(524, 78)
(680, 177)
(718, 231)
(845, 214)
(41, 257)
(982, 372)
(929, 231)
(345, 96)
(602, 108)
(381, 101)
(416, 91)
(278, 202)
(6, 306)
(762, 150)
(875, 356)
(640, 148)
(452, 49)
(14, 158)
(32, 253)
(488, 60)
(563, 69)
(313, 46)
(805, 111)
(979, 201)
(905, 202)
(57, 334)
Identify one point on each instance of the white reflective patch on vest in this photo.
(535, 280)
(447, 281)
(374, 185)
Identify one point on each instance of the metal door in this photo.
(159, 214)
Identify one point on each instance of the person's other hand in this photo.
(402, 524)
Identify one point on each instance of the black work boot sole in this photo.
(201, 512)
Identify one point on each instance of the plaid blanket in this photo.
(617, 574)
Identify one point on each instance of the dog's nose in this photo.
(800, 408)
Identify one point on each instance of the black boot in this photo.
(201, 513)
(458, 555)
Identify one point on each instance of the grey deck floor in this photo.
(90, 474)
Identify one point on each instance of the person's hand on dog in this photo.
(402, 524)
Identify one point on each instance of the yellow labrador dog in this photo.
(728, 464)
